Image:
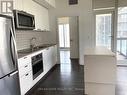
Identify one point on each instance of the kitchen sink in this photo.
(29, 50)
(25, 51)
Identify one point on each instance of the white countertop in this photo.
(98, 51)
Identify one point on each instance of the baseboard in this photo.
(43, 78)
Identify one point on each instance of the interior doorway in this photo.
(68, 35)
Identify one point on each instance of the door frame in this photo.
(57, 35)
(113, 34)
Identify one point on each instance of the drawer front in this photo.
(26, 82)
(26, 68)
(23, 61)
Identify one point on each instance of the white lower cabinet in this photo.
(25, 68)
(49, 57)
(26, 82)
(25, 74)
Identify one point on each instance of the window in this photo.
(64, 35)
(122, 31)
(122, 22)
(103, 30)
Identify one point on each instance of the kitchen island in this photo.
(100, 71)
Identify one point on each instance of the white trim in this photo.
(109, 8)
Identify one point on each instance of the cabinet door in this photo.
(52, 3)
(26, 82)
(18, 4)
(47, 59)
(54, 55)
(40, 13)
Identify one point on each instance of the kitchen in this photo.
(30, 61)
(27, 34)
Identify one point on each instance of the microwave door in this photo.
(24, 20)
(7, 50)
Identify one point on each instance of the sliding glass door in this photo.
(104, 30)
(122, 36)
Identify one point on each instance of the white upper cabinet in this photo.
(51, 2)
(18, 4)
(46, 3)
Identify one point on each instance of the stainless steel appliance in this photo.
(24, 20)
(37, 65)
(9, 83)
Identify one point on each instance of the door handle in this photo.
(47, 48)
(13, 48)
(26, 66)
(11, 51)
(71, 40)
(12, 74)
(27, 74)
(111, 36)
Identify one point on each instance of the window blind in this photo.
(98, 4)
(122, 3)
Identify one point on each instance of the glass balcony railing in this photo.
(122, 46)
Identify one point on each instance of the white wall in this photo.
(84, 11)
(63, 20)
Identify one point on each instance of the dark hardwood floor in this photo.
(66, 79)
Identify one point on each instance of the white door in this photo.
(74, 37)
(104, 30)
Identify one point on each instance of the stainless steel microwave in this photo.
(24, 20)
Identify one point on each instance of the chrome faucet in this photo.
(32, 43)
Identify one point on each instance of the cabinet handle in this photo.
(47, 48)
(26, 66)
(25, 57)
(26, 74)
(12, 74)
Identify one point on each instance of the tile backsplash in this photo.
(23, 38)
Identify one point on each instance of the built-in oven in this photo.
(37, 65)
